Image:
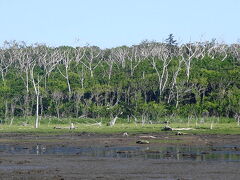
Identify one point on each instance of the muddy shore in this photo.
(76, 166)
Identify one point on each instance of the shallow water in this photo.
(194, 153)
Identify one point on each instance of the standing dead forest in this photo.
(145, 81)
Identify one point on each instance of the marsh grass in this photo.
(45, 127)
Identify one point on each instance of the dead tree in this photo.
(65, 60)
(237, 117)
(57, 97)
(188, 52)
(35, 56)
(160, 62)
(121, 54)
(79, 55)
(5, 62)
(173, 84)
(113, 121)
(110, 62)
(49, 62)
(92, 59)
(135, 59)
(235, 51)
(37, 92)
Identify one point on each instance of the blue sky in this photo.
(110, 23)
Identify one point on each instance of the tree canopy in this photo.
(151, 79)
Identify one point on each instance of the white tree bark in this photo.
(37, 92)
(92, 54)
(65, 58)
(159, 53)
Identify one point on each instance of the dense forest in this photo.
(148, 80)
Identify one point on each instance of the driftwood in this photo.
(150, 137)
(60, 127)
(95, 124)
(167, 128)
(180, 133)
(70, 127)
(57, 127)
(182, 129)
(113, 121)
(142, 142)
(24, 124)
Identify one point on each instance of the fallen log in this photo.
(71, 127)
(167, 128)
(150, 137)
(182, 129)
(142, 142)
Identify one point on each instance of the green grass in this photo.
(217, 128)
(200, 128)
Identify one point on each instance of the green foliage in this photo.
(108, 85)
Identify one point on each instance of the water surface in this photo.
(193, 153)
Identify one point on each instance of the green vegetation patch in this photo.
(131, 128)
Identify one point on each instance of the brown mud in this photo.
(74, 166)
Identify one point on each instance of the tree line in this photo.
(147, 81)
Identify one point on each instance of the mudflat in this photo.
(114, 156)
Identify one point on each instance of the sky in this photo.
(111, 23)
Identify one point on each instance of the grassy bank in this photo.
(212, 127)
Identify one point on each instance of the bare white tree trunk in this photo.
(36, 90)
(92, 55)
(188, 52)
(113, 121)
(37, 111)
(174, 82)
(135, 59)
(161, 73)
(66, 61)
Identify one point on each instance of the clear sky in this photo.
(110, 23)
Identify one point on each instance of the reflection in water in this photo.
(222, 153)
